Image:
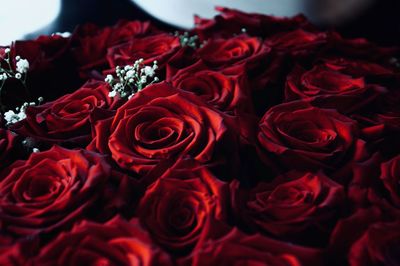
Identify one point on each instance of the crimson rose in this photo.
(221, 53)
(162, 122)
(158, 48)
(345, 80)
(379, 245)
(298, 206)
(91, 42)
(225, 92)
(237, 248)
(302, 136)
(230, 22)
(69, 119)
(178, 205)
(115, 242)
(49, 190)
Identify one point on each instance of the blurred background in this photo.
(378, 20)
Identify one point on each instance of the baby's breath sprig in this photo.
(131, 79)
(13, 117)
(187, 40)
(19, 72)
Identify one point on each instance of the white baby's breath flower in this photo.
(130, 73)
(131, 78)
(109, 78)
(22, 65)
(149, 71)
(11, 117)
(62, 34)
(112, 94)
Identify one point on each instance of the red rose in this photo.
(298, 206)
(231, 22)
(237, 248)
(236, 50)
(302, 136)
(297, 43)
(176, 207)
(49, 190)
(380, 119)
(225, 92)
(115, 242)
(343, 79)
(158, 48)
(7, 143)
(379, 245)
(15, 254)
(68, 120)
(91, 42)
(361, 48)
(349, 229)
(162, 122)
(238, 55)
(390, 175)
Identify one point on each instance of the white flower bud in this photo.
(112, 94)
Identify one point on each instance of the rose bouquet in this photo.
(249, 140)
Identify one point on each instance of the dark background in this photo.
(380, 23)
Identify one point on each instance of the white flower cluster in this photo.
(13, 117)
(131, 79)
(186, 40)
(21, 69)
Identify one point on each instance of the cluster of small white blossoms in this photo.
(131, 79)
(187, 40)
(13, 117)
(21, 68)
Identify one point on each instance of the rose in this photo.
(379, 245)
(297, 43)
(302, 136)
(91, 42)
(220, 52)
(298, 206)
(231, 22)
(345, 80)
(162, 122)
(115, 242)
(348, 230)
(225, 92)
(237, 248)
(178, 205)
(7, 146)
(390, 176)
(49, 190)
(361, 48)
(68, 120)
(158, 48)
(241, 54)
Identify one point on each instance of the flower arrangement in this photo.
(249, 140)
